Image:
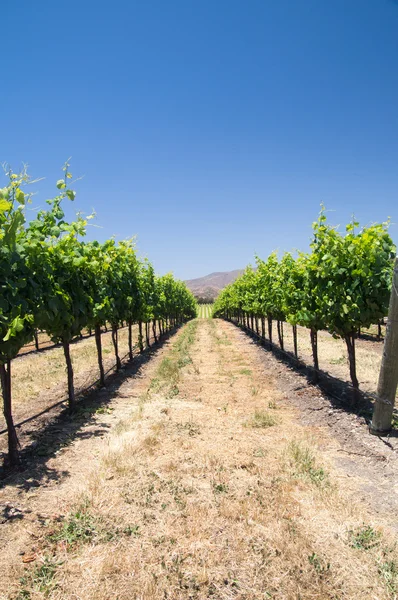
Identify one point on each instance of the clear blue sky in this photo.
(211, 129)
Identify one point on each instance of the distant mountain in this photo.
(208, 287)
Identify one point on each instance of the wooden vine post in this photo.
(388, 378)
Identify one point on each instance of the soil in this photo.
(371, 460)
(214, 398)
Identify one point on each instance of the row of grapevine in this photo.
(343, 284)
(54, 281)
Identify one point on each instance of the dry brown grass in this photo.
(333, 355)
(185, 502)
(36, 375)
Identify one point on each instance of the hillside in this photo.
(210, 285)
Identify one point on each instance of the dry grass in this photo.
(185, 503)
(261, 419)
(35, 376)
(333, 355)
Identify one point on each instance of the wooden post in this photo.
(388, 377)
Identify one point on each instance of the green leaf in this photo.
(4, 205)
(71, 194)
(20, 196)
(61, 184)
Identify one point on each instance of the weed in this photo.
(173, 392)
(168, 369)
(154, 385)
(104, 410)
(184, 361)
(338, 361)
(131, 530)
(305, 465)
(388, 571)
(220, 488)
(190, 427)
(261, 419)
(41, 579)
(245, 372)
(394, 421)
(79, 527)
(364, 538)
(259, 452)
(318, 564)
(272, 405)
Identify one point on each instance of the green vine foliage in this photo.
(342, 285)
(352, 274)
(51, 280)
(16, 319)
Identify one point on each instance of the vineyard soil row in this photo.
(205, 311)
(208, 476)
(333, 355)
(39, 380)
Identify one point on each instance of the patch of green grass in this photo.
(104, 410)
(131, 530)
(338, 361)
(304, 465)
(394, 420)
(220, 488)
(184, 361)
(364, 537)
(40, 579)
(245, 372)
(82, 527)
(169, 371)
(388, 571)
(173, 392)
(79, 527)
(261, 419)
(319, 565)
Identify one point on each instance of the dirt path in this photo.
(204, 480)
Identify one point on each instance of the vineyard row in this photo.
(53, 281)
(341, 286)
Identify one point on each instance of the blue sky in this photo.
(210, 129)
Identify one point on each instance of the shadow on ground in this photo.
(340, 394)
(42, 442)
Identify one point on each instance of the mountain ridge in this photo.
(209, 286)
